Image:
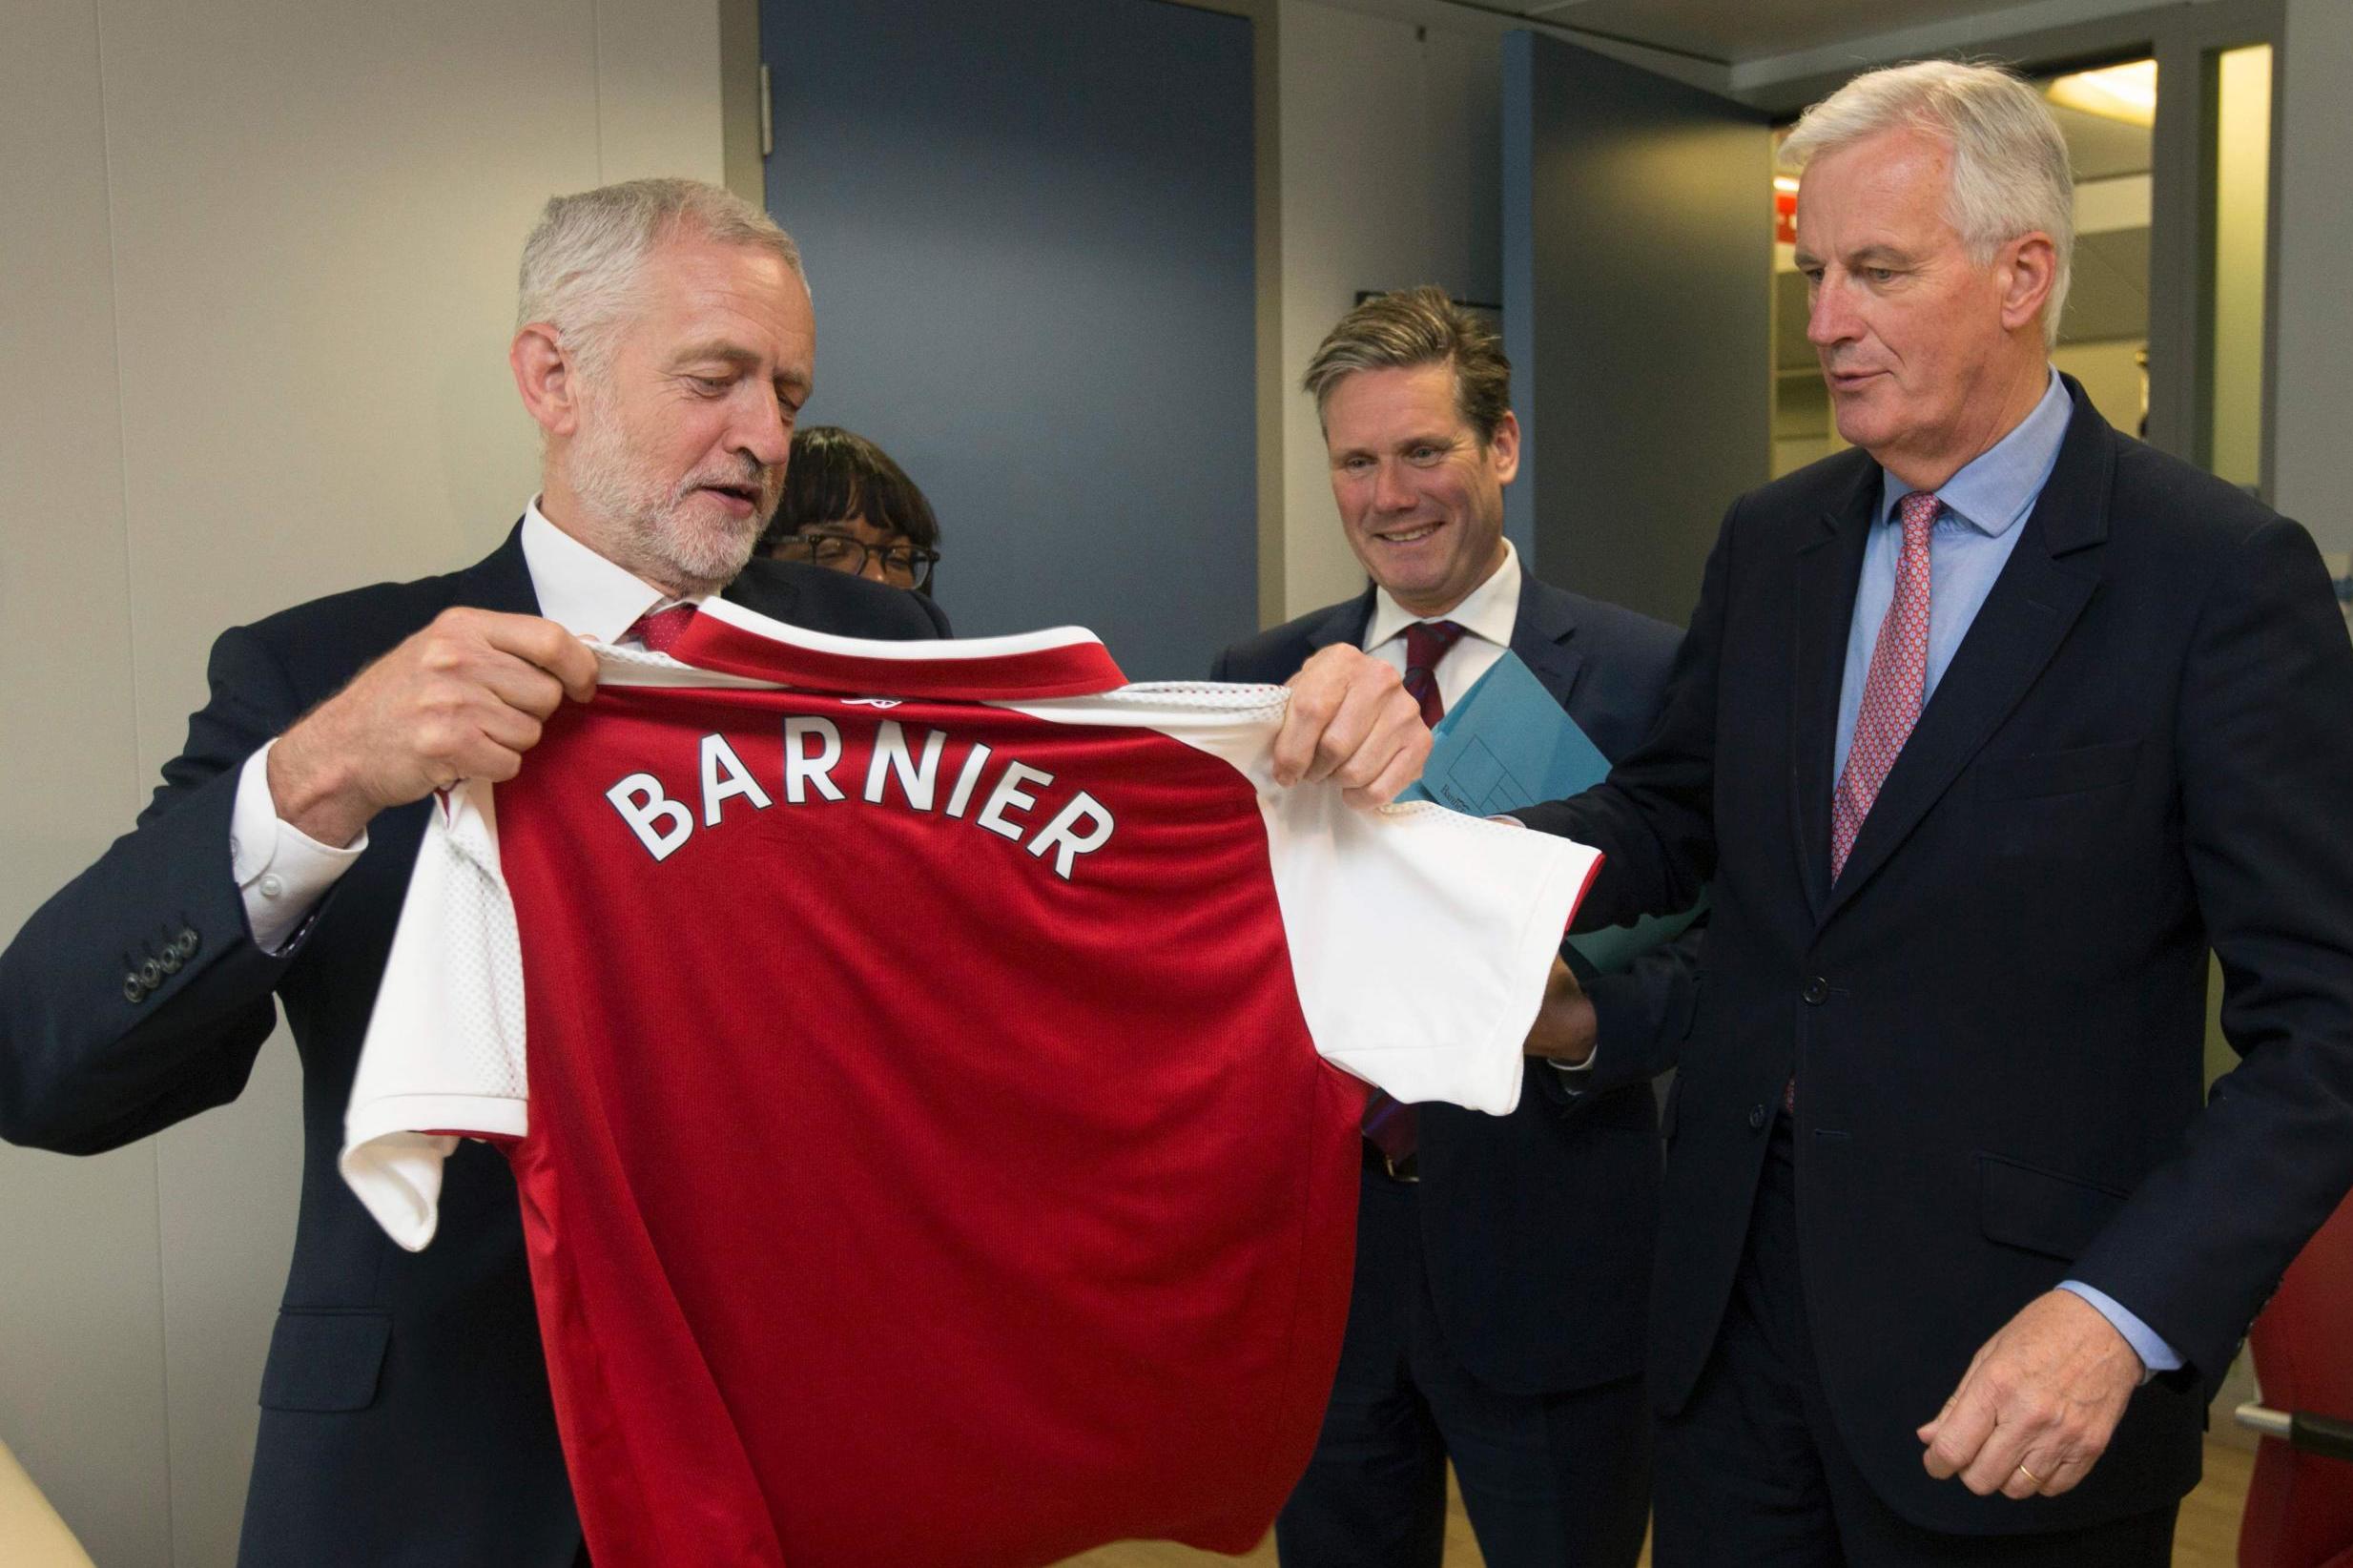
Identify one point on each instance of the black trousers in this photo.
(1752, 1474)
(1548, 1480)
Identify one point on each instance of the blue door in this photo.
(1028, 232)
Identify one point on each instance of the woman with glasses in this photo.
(849, 507)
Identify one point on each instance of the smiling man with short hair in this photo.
(1497, 1306)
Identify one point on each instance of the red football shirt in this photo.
(927, 1139)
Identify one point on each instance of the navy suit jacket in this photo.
(405, 1405)
(1996, 1015)
(1539, 1227)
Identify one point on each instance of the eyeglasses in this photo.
(903, 566)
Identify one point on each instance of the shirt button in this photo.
(1817, 991)
(271, 887)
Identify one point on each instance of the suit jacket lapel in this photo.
(1347, 624)
(1543, 635)
(499, 580)
(2040, 592)
(1828, 568)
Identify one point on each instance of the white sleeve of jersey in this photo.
(444, 1049)
(1421, 938)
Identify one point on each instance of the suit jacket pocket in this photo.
(2057, 772)
(1630, 1105)
(325, 1359)
(2020, 1206)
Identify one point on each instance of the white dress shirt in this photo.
(1488, 616)
(282, 872)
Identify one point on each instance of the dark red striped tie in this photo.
(1390, 1123)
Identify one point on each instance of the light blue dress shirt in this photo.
(1985, 505)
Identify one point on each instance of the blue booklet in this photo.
(1506, 743)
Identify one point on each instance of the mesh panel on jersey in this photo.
(484, 970)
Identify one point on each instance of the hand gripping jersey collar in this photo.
(1062, 662)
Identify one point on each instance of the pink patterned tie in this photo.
(660, 629)
(1891, 691)
(1391, 1124)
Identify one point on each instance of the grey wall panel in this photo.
(81, 1316)
(1637, 272)
(1029, 234)
(225, 1207)
(657, 68)
(261, 263)
(1390, 179)
(316, 230)
(2312, 459)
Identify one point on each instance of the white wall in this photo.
(260, 270)
(1391, 174)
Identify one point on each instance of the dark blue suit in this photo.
(1995, 1016)
(405, 1406)
(1531, 1234)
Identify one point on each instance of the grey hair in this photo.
(2010, 172)
(581, 266)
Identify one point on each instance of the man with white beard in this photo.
(665, 348)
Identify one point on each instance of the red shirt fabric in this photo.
(925, 1152)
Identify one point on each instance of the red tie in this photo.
(659, 630)
(1891, 691)
(1426, 643)
(1391, 1124)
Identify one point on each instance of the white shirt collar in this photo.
(1490, 612)
(578, 589)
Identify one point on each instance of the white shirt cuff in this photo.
(282, 872)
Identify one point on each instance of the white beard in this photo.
(658, 530)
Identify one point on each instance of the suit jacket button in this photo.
(186, 943)
(151, 974)
(1817, 991)
(133, 990)
(170, 962)
(1756, 1118)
